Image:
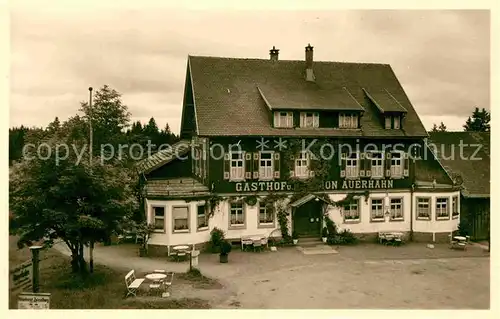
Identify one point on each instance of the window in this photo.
(266, 165)
(377, 164)
(396, 209)
(397, 164)
(266, 215)
(309, 119)
(237, 214)
(348, 120)
(283, 119)
(397, 122)
(180, 218)
(159, 218)
(442, 208)
(351, 212)
(423, 208)
(454, 205)
(352, 166)
(237, 166)
(377, 209)
(202, 218)
(388, 124)
(302, 165)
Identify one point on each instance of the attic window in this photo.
(348, 120)
(309, 119)
(393, 122)
(283, 119)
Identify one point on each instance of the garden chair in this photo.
(257, 245)
(181, 255)
(245, 244)
(132, 283)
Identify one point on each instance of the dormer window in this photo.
(393, 122)
(309, 119)
(348, 120)
(283, 119)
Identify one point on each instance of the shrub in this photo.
(330, 226)
(225, 247)
(295, 235)
(217, 236)
(348, 237)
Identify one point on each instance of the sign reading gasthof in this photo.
(27, 300)
(21, 276)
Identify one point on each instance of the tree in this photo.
(442, 127)
(76, 202)
(479, 122)
(54, 126)
(434, 128)
(110, 117)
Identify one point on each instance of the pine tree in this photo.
(479, 122)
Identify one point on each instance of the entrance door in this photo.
(307, 219)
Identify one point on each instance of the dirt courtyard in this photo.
(364, 276)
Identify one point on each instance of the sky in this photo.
(441, 58)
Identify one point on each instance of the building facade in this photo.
(270, 143)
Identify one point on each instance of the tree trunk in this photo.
(81, 260)
(75, 268)
(91, 257)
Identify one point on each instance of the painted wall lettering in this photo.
(327, 185)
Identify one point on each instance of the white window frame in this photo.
(442, 206)
(266, 172)
(237, 173)
(155, 217)
(377, 171)
(388, 122)
(455, 202)
(309, 119)
(352, 165)
(204, 216)
(238, 211)
(421, 203)
(393, 208)
(375, 215)
(302, 165)
(266, 208)
(348, 213)
(397, 122)
(283, 119)
(397, 169)
(348, 120)
(180, 230)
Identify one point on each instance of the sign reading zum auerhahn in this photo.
(21, 276)
(27, 300)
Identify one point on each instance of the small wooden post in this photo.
(35, 258)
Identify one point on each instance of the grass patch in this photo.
(104, 289)
(198, 280)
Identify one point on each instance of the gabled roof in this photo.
(385, 101)
(233, 97)
(163, 157)
(469, 164)
(175, 188)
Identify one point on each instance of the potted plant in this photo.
(324, 234)
(216, 238)
(295, 237)
(225, 249)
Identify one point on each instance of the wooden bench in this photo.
(132, 283)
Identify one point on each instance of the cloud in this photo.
(440, 57)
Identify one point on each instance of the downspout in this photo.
(412, 190)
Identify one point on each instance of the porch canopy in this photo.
(306, 198)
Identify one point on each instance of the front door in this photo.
(307, 219)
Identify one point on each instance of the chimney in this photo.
(309, 63)
(273, 53)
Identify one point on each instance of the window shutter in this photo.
(406, 170)
(255, 165)
(302, 119)
(276, 165)
(276, 119)
(388, 164)
(368, 165)
(361, 162)
(343, 159)
(248, 165)
(227, 166)
(316, 120)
